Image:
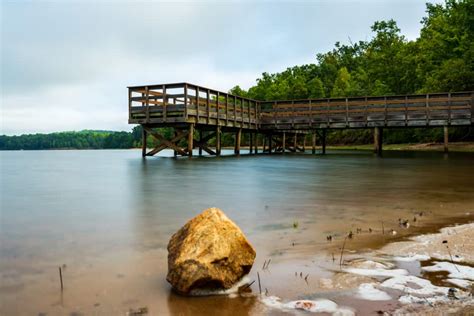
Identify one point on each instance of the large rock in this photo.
(209, 252)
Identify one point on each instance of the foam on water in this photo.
(368, 291)
(414, 285)
(377, 272)
(456, 271)
(314, 306)
(412, 258)
(231, 291)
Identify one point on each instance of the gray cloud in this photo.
(73, 58)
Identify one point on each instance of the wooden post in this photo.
(175, 153)
(304, 143)
(143, 142)
(256, 143)
(313, 143)
(190, 140)
(323, 141)
(269, 143)
(378, 138)
(295, 141)
(264, 137)
(250, 143)
(284, 142)
(238, 137)
(218, 141)
(446, 139)
(200, 141)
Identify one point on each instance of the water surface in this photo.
(107, 217)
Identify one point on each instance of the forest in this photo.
(441, 59)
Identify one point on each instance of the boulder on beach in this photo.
(209, 252)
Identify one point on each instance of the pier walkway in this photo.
(284, 125)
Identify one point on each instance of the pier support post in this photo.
(250, 143)
(144, 135)
(175, 153)
(264, 138)
(446, 138)
(295, 142)
(313, 143)
(238, 137)
(218, 141)
(270, 144)
(378, 139)
(284, 142)
(304, 143)
(256, 143)
(323, 141)
(190, 140)
(200, 141)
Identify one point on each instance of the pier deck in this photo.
(187, 107)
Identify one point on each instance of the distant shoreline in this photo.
(432, 147)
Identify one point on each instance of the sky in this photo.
(65, 65)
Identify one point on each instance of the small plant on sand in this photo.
(295, 224)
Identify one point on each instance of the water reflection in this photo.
(87, 208)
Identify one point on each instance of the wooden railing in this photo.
(168, 104)
(187, 103)
(436, 109)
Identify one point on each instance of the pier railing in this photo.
(187, 103)
(184, 103)
(437, 109)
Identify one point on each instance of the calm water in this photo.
(108, 215)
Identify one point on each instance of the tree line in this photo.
(441, 59)
(86, 139)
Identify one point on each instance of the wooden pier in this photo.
(193, 110)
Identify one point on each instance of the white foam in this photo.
(411, 299)
(461, 283)
(414, 285)
(377, 272)
(314, 306)
(456, 271)
(367, 291)
(233, 290)
(411, 258)
(370, 264)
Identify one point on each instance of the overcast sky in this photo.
(65, 65)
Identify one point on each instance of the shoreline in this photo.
(402, 277)
(466, 147)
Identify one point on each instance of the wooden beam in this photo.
(238, 137)
(378, 138)
(218, 141)
(313, 143)
(270, 144)
(175, 153)
(323, 141)
(446, 138)
(166, 143)
(295, 141)
(283, 143)
(256, 143)
(190, 140)
(144, 142)
(250, 142)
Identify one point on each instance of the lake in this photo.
(106, 217)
